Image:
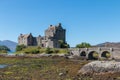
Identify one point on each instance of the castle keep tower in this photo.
(51, 39)
(53, 34)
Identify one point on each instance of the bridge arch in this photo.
(106, 54)
(93, 55)
(83, 54)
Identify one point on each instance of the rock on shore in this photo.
(100, 67)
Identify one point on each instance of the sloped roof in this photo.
(25, 35)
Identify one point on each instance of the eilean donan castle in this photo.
(51, 39)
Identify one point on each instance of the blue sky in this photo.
(92, 21)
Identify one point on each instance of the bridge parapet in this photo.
(114, 52)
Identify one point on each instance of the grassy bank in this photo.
(39, 50)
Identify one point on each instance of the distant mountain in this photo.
(10, 44)
(109, 44)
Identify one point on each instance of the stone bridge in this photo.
(101, 52)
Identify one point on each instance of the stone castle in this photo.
(51, 39)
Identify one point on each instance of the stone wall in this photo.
(101, 51)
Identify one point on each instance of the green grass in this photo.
(39, 50)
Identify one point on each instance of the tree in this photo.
(20, 47)
(83, 45)
(63, 44)
(4, 49)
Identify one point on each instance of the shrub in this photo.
(56, 51)
(48, 50)
(108, 55)
(35, 51)
(42, 50)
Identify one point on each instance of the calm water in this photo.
(3, 65)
